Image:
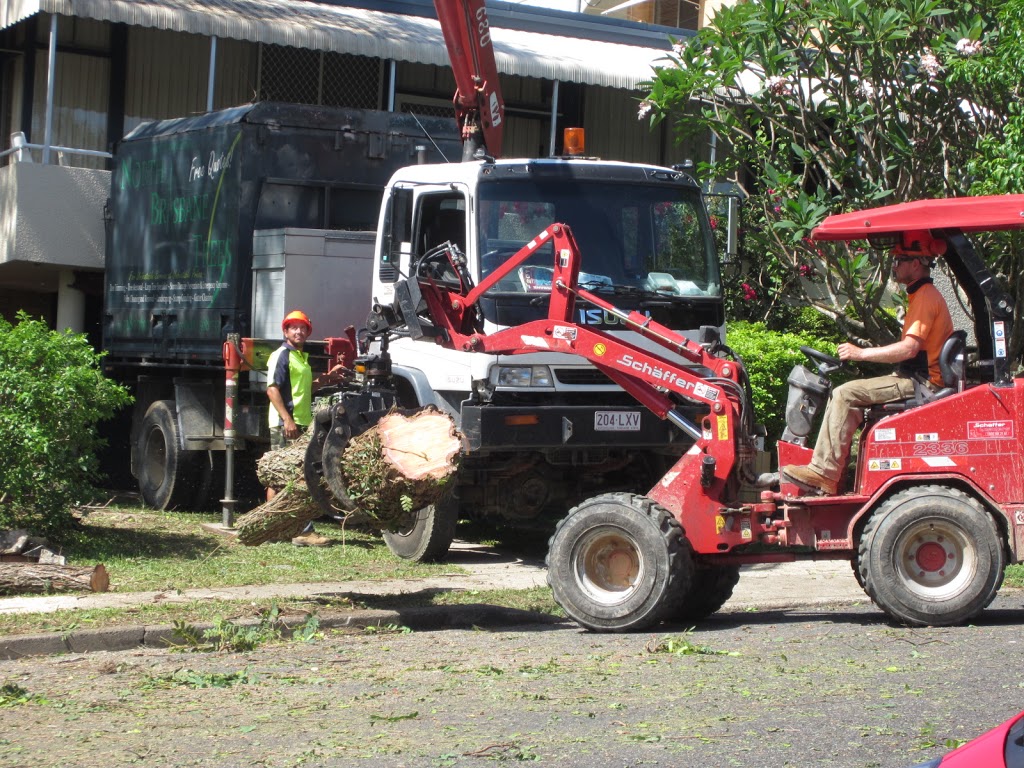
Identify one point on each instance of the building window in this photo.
(323, 78)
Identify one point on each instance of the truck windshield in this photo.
(649, 239)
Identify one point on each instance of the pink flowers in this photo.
(806, 270)
(645, 109)
(749, 294)
(778, 85)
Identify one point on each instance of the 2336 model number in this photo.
(944, 448)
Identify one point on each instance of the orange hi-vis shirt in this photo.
(929, 322)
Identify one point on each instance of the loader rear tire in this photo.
(710, 589)
(619, 562)
(165, 472)
(430, 536)
(932, 556)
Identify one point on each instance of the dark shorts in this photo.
(277, 438)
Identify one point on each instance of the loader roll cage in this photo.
(950, 219)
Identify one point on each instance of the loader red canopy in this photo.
(967, 214)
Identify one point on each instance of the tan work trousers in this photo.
(844, 415)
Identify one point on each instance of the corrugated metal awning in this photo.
(362, 32)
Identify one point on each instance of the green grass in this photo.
(1014, 576)
(537, 599)
(146, 550)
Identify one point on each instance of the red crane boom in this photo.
(479, 107)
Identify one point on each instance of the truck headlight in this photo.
(524, 376)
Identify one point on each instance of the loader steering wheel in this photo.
(825, 364)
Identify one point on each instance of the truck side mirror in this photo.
(397, 230)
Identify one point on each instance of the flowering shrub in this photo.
(824, 110)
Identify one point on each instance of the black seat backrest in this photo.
(952, 366)
(952, 361)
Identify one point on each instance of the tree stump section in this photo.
(400, 465)
(47, 578)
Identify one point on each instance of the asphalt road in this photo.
(827, 685)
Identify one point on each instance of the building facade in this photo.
(77, 76)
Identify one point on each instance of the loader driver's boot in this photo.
(809, 478)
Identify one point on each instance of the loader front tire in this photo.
(710, 589)
(619, 562)
(931, 556)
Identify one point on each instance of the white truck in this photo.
(543, 430)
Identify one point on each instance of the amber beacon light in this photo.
(573, 141)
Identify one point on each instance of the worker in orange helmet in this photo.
(926, 327)
(290, 388)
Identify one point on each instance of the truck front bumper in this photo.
(489, 427)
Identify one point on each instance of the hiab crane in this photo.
(935, 508)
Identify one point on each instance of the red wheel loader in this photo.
(932, 512)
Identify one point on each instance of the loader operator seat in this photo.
(952, 366)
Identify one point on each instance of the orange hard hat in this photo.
(921, 244)
(297, 316)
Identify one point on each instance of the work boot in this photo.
(311, 539)
(809, 478)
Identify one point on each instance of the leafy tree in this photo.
(52, 394)
(998, 167)
(828, 106)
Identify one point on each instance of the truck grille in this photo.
(581, 377)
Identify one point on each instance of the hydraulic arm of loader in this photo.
(439, 302)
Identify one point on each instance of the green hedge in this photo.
(52, 394)
(769, 356)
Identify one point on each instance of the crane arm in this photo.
(479, 107)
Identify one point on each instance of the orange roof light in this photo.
(573, 141)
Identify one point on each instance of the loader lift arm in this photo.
(439, 301)
(479, 107)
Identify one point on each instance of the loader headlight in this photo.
(524, 376)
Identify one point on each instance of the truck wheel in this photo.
(710, 588)
(209, 479)
(931, 556)
(430, 536)
(164, 470)
(619, 562)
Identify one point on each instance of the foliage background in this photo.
(825, 106)
(768, 357)
(52, 394)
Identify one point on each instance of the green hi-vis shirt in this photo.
(288, 370)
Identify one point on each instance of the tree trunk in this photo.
(400, 465)
(284, 516)
(46, 578)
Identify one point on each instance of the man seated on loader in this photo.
(926, 327)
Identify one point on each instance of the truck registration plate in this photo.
(617, 421)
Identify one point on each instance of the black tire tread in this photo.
(872, 582)
(679, 573)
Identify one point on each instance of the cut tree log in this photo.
(46, 578)
(291, 509)
(401, 464)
